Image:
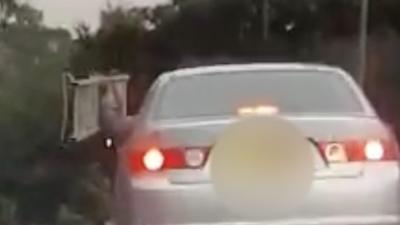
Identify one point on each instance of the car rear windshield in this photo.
(293, 92)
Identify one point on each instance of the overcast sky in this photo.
(67, 13)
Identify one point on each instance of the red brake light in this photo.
(374, 150)
(156, 159)
(153, 159)
(174, 158)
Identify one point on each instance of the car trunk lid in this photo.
(204, 133)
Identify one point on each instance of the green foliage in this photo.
(12, 12)
(108, 49)
(209, 28)
(31, 61)
(30, 82)
(7, 9)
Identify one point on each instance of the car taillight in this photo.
(374, 150)
(335, 152)
(154, 159)
(359, 150)
(195, 157)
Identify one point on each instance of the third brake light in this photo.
(258, 110)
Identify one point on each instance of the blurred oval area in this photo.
(262, 166)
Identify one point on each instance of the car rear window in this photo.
(293, 92)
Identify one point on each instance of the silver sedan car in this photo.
(161, 176)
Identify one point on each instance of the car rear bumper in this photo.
(370, 198)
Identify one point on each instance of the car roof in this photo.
(251, 67)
